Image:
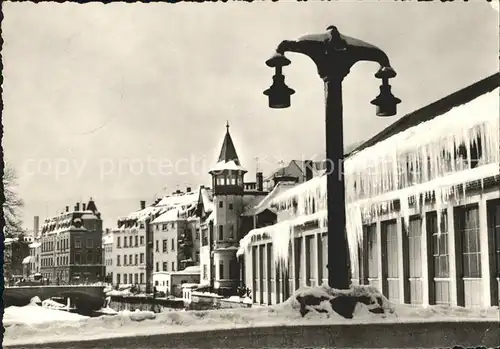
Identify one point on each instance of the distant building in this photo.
(32, 262)
(15, 252)
(170, 282)
(71, 246)
(107, 255)
(297, 171)
(155, 238)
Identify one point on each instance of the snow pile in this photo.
(33, 314)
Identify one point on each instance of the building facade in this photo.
(219, 211)
(107, 255)
(70, 246)
(160, 237)
(422, 212)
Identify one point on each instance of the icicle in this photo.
(438, 211)
(404, 207)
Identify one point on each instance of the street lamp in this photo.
(334, 55)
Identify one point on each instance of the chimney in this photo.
(178, 191)
(188, 189)
(143, 204)
(67, 208)
(77, 207)
(36, 226)
(308, 164)
(260, 181)
(83, 207)
(202, 186)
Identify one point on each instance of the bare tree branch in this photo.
(13, 203)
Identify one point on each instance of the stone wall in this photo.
(467, 334)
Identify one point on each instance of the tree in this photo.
(13, 203)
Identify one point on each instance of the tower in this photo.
(228, 188)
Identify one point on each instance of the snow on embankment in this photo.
(370, 307)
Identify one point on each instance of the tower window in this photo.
(221, 232)
(230, 206)
(221, 204)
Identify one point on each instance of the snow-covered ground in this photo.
(33, 324)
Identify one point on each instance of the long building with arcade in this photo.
(423, 212)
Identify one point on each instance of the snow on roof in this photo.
(171, 215)
(107, 239)
(262, 203)
(9, 240)
(189, 285)
(207, 199)
(27, 260)
(178, 199)
(35, 245)
(195, 269)
(230, 165)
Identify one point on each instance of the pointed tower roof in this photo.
(228, 151)
(228, 158)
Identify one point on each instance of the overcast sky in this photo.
(94, 93)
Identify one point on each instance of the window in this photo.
(118, 278)
(141, 226)
(173, 244)
(136, 259)
(438, 257)
(136, 241)
(164, 227)
(142, 240)
(165, 266)
(90, 243)
(136, 278)
(157, 226)
(230, 206)
(157, 266)
(221, 204)
(205, 275)
(221, 232)
(221, 271)
(78, 243)
(231, 231)
(89, 259)
(125, 278)
(468, 222)
(197, 235)
(77, 258)
(125, 241)
(173, 266)
(172, 225)
(141, 278)
(372, 250)
(130, 259)
(157, 246)
(165, 245)
(130, 241)
(141, 258)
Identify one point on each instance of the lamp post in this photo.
(334, 55)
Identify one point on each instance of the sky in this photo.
(128, 102)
